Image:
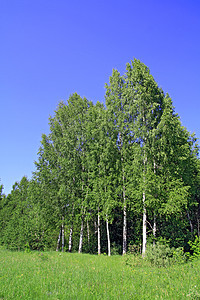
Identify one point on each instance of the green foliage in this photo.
(115, 249)
(158, 255)
(115, 163)
(134, 249)
(15, 216)
(179, 256)
(27, 248)
(161, 255)
(194, 249)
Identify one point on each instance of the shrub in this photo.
(158, 255)
(194, 248)
(134, 249)
(27, 248)
(179, 256)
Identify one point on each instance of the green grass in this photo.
(52, 275)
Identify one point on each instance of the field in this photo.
(53, 275)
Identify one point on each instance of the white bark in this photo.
(63, 236)
(81, 239)
(108, 235)
(154, 230)
(71, 228)
(88, 232)
(95, 227)
(124, 230)
(59, 238)
(144, 221)
(144, 242)
(98, 232)
(70, 238)
(81, 232)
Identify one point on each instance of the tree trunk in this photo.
(63, 236)
(124, 230)
(59, 238)
(124, 216)
(144, 221)
(144, 241)
(95, 227)
(108, 235)
(81, 238)
(71, 228)
(88, 232)
(70, 238)
(99, 236)
(81, 232)
(154, 230)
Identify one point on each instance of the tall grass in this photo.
(52, 275)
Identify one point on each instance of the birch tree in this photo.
(145, 108)
(115, 102)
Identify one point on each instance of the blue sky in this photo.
(51, 49)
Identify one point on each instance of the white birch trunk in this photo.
(125, 219)
(71, 228)
(88, 232)
(95, 227)
(81, 238)
(63, 236)
(108, 235)
(99, 236)
(81, 232)
(59, 238)
(144, 241)
(144, 221)
(154, 230)
(70, 238)
(124, 230)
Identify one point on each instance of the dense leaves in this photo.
(109, 177)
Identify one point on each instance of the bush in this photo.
(158, 255)
(179, 256)
(194, 248)
(161, 255)
(27, 248)
(134, 249)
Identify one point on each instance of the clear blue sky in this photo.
(51, 49)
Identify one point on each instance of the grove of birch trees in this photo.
(109, 176)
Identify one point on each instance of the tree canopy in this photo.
(108, 177)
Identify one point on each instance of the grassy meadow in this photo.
(53, 275)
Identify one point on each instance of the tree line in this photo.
(108, 177)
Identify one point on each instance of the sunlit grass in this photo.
(52, 275)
